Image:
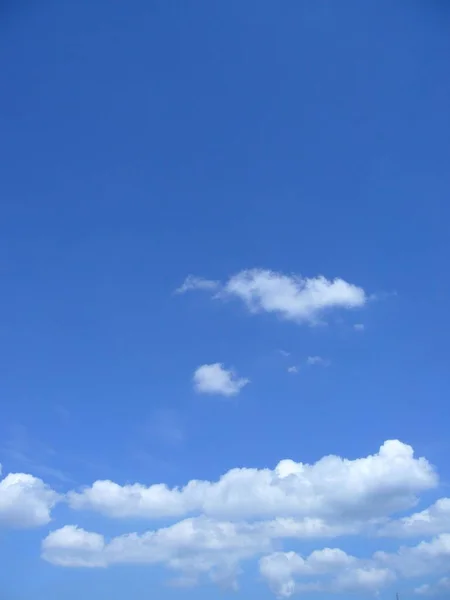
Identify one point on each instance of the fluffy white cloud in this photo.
(431, 521)
(334, 489)
(440, 588)
(215, 379)
(25, 501)
(71, 546)
(291, 297)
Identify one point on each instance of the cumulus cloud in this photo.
(335, 489)
(431, 521)
(215, 379)
(25, 501)
(291, 297)
(72, 546)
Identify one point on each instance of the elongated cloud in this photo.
(291, 297)
(191, 547)
(333, 488)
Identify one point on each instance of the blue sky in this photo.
(224, 247)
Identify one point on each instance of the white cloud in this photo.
(25, 501)
(358, 327)
(363, 579)
(317, 361)
(423, 559)
(199, 547)
(440, 589)
(192, 283)
(331, 570)
(291, 297)
(335, 489)
(191, 548)
(293, 369)
(71, 546)
(251, 513)
(431, 521)
(215, 379)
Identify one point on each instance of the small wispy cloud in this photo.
(192, 283)
(215, 379)
(63, 413)
(358, 327)
(294, 370)
(317, 361)
(165, 425)
(284, 353)
(31, 454)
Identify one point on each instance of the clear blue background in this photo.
(145, 140)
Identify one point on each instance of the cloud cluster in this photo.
(251, 513)
(200, 547)
(333, 570)
(291, 297)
